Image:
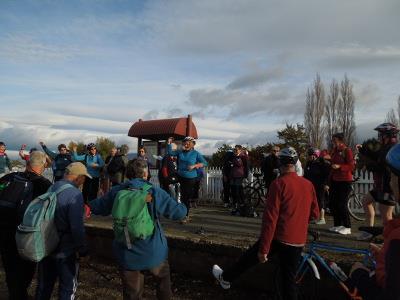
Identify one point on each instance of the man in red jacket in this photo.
(291, 203)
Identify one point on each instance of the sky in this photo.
(80, 69)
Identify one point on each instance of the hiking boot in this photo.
(344, 230)
(364, 236)
(320, 222)
(217, 273)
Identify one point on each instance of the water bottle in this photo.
(338, 271)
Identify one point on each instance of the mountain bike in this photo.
(355, 202)
(308, 271)
(254, 191)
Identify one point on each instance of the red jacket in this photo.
(342, 156)
(390, 232)
(290, 204)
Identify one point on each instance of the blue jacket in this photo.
(152, 251)
(69, 220)
(4, 162)
(88, 160)
(186, 159)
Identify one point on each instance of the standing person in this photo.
(22, 155)
(270, 167)
(63, 264)
(115, 166)
(142, 155)
(317, 171)
(381, 192)
(341, 177)
(239, 170)
(291, 202)
(94, 163)
(4, 160)
(19, 272)
(226, 180)
(189, 160)
(150, 253)
(61, 159)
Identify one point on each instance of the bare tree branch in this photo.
(331, 111)
(346, 111)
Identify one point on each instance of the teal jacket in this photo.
(4, 162)
(152, 251)
(186, 159)
(88, 160)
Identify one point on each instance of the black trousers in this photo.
(227, 191)
(187, 190)
(90, 189)
(288, 259)
(237, 191)
(339, 195)
(19, 272)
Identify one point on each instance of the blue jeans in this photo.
(65, 270)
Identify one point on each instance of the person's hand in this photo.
(190, 168)
(358, 266)
(262, 258)
(335, 166)
(23, 146)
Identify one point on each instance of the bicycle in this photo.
(355, 203)
(311, 258)
(254, 191)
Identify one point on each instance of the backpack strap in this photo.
(61, 188)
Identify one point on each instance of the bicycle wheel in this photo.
(355, 206)
(252, 196)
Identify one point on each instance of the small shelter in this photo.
(153, 133)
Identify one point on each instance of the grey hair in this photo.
(136, 168)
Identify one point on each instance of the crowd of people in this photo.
(85, 184)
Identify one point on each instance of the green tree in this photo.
(294, 136)
(217, 159)
(81, 147)
(104, 146)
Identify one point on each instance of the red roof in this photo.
(163, 129)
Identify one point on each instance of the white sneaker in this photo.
(364, 236)
(321, 222)
(335, 228)
(217, 273)
(344, 230)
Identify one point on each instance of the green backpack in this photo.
(37, 235)
(131, 218)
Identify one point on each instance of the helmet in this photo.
(90, 146)
(189, 139)
(387, 129)
(393, 159)
(288, 156)
(313, 151)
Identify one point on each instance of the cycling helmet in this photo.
(393, 159)
(189, 139)
(90, 146)
(387, 129)
(288, 156)
(313, 151)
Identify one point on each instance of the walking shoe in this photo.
(217, 273)
(320, 222)
(335, 228)
(364, 236)
(344, 230)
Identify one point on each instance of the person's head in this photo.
(188, 143)
(32, 150)
(393, 161)
(91, 148)
(237, 150)
(275, 150)
(124, 149)
(142, 151)
(337, 139)
(387, 133)
(37, 162)
(313, 154)
(62, 148)
(76, 172)
(288, 158)
(2, 147)
(113, 151)
(137, 168)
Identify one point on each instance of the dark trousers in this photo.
(237, 191)
(19, 272)
(187, 190)
(133, 282)
(365, 284)
(90, 189)
(227, 191)
(288, 259)
(65, 270)
(339, 193)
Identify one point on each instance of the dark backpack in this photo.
(16, 195)
(116, 165)
(169, 169)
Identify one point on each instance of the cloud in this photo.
(255, 79)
